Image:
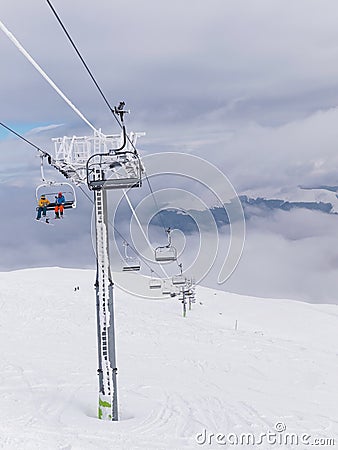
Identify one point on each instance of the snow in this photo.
(176, 376)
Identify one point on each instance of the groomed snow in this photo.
(177, 377)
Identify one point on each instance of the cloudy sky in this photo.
(251, 86)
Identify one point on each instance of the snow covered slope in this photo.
(177, 377)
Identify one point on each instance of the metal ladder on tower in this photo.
(105, 316)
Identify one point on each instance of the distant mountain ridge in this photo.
(261, 202)
(258, 206)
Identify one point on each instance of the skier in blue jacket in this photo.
(59, 205)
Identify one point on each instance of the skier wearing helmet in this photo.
(59, 202)
(42, 206)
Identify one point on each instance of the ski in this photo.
(45, 221)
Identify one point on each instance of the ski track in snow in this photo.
(177, 376)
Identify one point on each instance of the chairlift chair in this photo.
(166, 253)
(131, 263)
(114, 170)
(155, 283)
(166, 289)
(120, 168)
(51, 190)
(179, 280)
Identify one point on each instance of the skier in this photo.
(42, 206)
(59, 202)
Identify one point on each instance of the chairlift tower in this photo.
(103, 163)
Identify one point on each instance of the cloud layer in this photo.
(250, 86)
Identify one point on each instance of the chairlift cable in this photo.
(45, 76)
(102, 95)
(82, 59)
(44, 153)
(156, 204)
(121, 236)
(53, 85)
(140, 226)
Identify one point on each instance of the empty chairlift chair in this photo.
(179, 280)
(119, 168)
(166, 253)
(155, 283)
(167, 289)
(115, 170)
(131, 263)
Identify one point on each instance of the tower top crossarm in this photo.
(71, 153)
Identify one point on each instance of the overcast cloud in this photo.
(251, 86)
